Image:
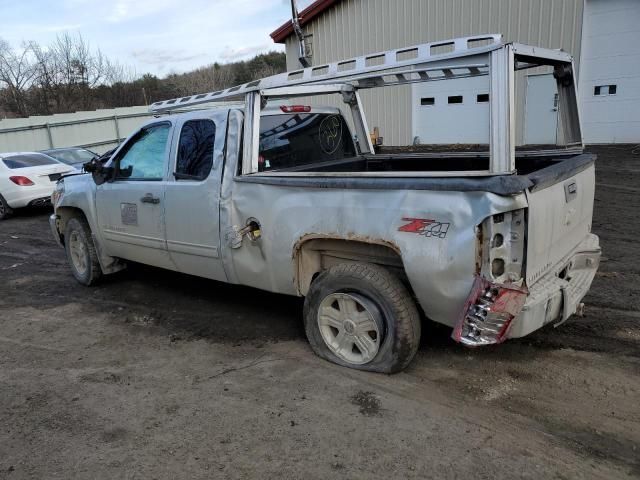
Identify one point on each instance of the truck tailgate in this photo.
(559, 218)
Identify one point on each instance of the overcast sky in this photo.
(157, 36)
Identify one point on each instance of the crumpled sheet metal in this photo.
(510, 300)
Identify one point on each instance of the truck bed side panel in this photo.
(440, 266)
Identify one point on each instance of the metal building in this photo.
(435, 112)
(610, 72)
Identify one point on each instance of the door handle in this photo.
(149, 198)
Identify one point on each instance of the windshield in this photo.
(28, 160)
(303, 139)
(72, 156)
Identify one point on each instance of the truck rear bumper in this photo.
(557, 295)
(494, 312)
(28, 196)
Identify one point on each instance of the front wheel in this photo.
(360, 315)
(81, 252)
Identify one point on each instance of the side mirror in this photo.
(98, 171)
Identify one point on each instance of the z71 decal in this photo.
(425, 227)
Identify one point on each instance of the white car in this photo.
(28, 179)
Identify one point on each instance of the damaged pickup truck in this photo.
(292, 198)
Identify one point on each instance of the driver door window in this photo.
(144, 158)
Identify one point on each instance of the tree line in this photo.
(67, 76)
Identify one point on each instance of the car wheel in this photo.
(5, 209)
(361, 316)
(81, 252)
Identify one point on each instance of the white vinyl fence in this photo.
(98, 130)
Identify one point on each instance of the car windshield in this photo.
(28, 160)
(72, 156)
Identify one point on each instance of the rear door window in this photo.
(298, 139)
(28, 160)
(195, 150)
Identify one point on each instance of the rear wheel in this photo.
(5, 209)
(361, 316)
(81, 252)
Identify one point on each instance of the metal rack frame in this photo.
(466, 57)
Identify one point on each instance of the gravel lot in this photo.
(155, 374)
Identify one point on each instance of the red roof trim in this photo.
(280, 34)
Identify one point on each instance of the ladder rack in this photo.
(364, 71)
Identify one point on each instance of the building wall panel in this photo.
(358, 27)
(611, 57)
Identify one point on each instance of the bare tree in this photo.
(17, 71)
(46, 78)
(69, 75)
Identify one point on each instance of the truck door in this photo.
(192, 195)
(130, 208)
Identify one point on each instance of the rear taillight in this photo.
(22, 181)
(499, 292)
(295, 108)
(488, 312)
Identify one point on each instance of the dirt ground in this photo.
(155, 374)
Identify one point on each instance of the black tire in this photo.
(78, 230)
(398, 315)
(5, 209)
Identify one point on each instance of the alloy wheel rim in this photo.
(350, 327)
(78, 253)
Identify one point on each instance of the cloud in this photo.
(60, 28)
(126, 10)
(158, 56)
(153, 35)
(34, 28)
(232, 54)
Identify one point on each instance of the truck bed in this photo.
(532, 172)
(429, 158)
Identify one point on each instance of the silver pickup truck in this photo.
(294, 198)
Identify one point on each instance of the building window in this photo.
(455, 99)
(600, 90)
(427, 101)
(482, 98)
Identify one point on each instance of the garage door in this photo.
(610, 72)
(451, 111)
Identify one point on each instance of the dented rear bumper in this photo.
(494, 312)
(557, 295)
